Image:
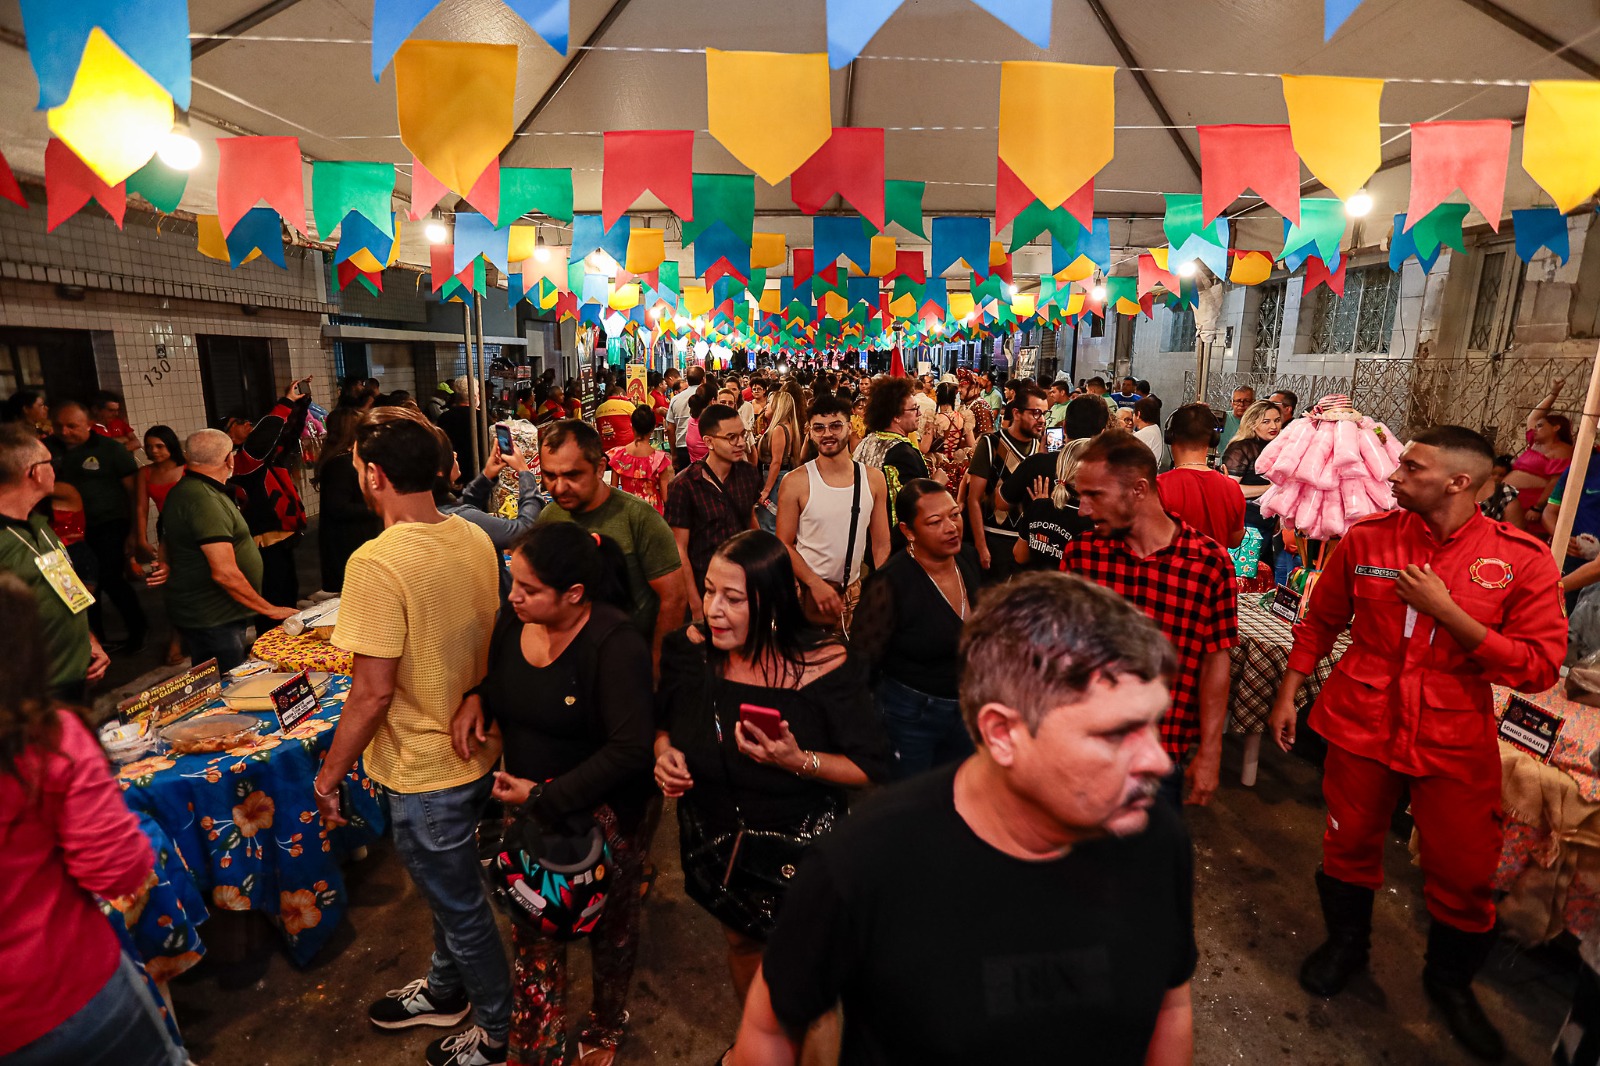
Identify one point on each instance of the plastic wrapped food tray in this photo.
(217, 732)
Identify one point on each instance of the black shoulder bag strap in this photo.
(855, 516)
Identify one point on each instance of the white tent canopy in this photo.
(930, 77)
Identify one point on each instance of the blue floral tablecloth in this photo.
(161, 921)
(245, 822)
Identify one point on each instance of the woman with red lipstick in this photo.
(908, 629)
(752, 797)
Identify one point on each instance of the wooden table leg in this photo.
(1252, 760)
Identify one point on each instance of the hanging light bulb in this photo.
(542, 254)
(1359, 204)
(178, 150)
(1187, 269)
(1098, 293)
(436, 231)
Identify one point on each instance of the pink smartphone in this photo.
(763, 720)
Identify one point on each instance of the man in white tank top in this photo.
(815, 503)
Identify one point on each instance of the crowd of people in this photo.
(761, 596)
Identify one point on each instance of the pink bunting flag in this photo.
(69, 184)
(9, 188)
(427, 191)
(250, 169)
(1234, 158)
(640, 161)
(1011, 197)
(1151, 274)
(1317, 273)
(911, 264)
(849, 164)
(1470, 156)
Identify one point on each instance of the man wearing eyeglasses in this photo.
(892, 415)
(712, 498)
(32, 551)
(992, 521)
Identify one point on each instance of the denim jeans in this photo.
(229, 643)
(120, 1026)
(435, 835)
(926, 731)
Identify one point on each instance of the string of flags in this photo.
(109, 81)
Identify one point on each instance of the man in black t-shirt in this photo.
(1032, 904)
(990, 518)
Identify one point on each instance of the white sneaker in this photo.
(469, 1048)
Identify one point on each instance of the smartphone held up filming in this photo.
(764, 720)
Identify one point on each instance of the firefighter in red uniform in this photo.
(1442, 603)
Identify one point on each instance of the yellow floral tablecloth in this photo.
(305, 652)
(246, 822)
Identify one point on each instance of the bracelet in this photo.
(814, 769)
(321, 794)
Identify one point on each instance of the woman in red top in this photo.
(641, 468)
(67, 993)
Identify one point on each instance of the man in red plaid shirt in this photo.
(1179, 577)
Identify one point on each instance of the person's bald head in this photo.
(72, 423)
(1441, 466)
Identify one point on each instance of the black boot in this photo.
(1454, 958)
(1347, 912)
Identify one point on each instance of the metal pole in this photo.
(483, 379)
(1582, 450)
(466, 336)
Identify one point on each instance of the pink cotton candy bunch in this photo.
(1329, 469)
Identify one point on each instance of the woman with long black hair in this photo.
(344, 521)
(764, 722)
(568, 689)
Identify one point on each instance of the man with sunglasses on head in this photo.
(993, 522)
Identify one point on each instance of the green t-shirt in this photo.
(96, 469)
(66, 635)
(198, 512)
(1057, 415)
(645, 539)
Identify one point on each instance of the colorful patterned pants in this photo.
(539, 964)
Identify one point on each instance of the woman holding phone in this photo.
(568, 690)
(763, 723)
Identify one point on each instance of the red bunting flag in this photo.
(1317, 273)
(69, 184)
(1470, 156)
(1234, 158)
(897, 365)
(441, 264)
(803, 268)
(1151, 274)
(9, 189)
(911, 264)
(722, 268)
(485, 191)
(639, 161)
(1011, 197)
(349, 272)
(849, 164)
(260, 168)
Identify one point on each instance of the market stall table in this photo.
(1550, 854)
(246, 824)
(1257, 666)
(162, 919)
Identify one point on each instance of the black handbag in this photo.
(740, 876)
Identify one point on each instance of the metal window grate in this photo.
(1361, 320)
(1487, 304)
(1269, 327)
(1180, 331)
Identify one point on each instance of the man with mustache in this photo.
(1030, 903)
(1178, 576)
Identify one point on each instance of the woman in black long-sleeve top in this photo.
(344, 521)
(568, 688)
(732, 781)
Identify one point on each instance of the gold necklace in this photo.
(961, 612)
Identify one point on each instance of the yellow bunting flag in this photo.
(647, 250)
(1023, 305)
(520, 243)
(770, 109)
(835, 306)
(696, 299)
(768, 250)
(1074, 303)
(1056, 125)
(212, 244)
(1335, 126)
(625, 298)
(116, 114)
(368, 263)
(1559, 147)
(1160, 256)
(1077, 270)
(906, 306)
(456, 102)
(1251, 268)
(881, 260)
(771, 301)
(960, 304)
